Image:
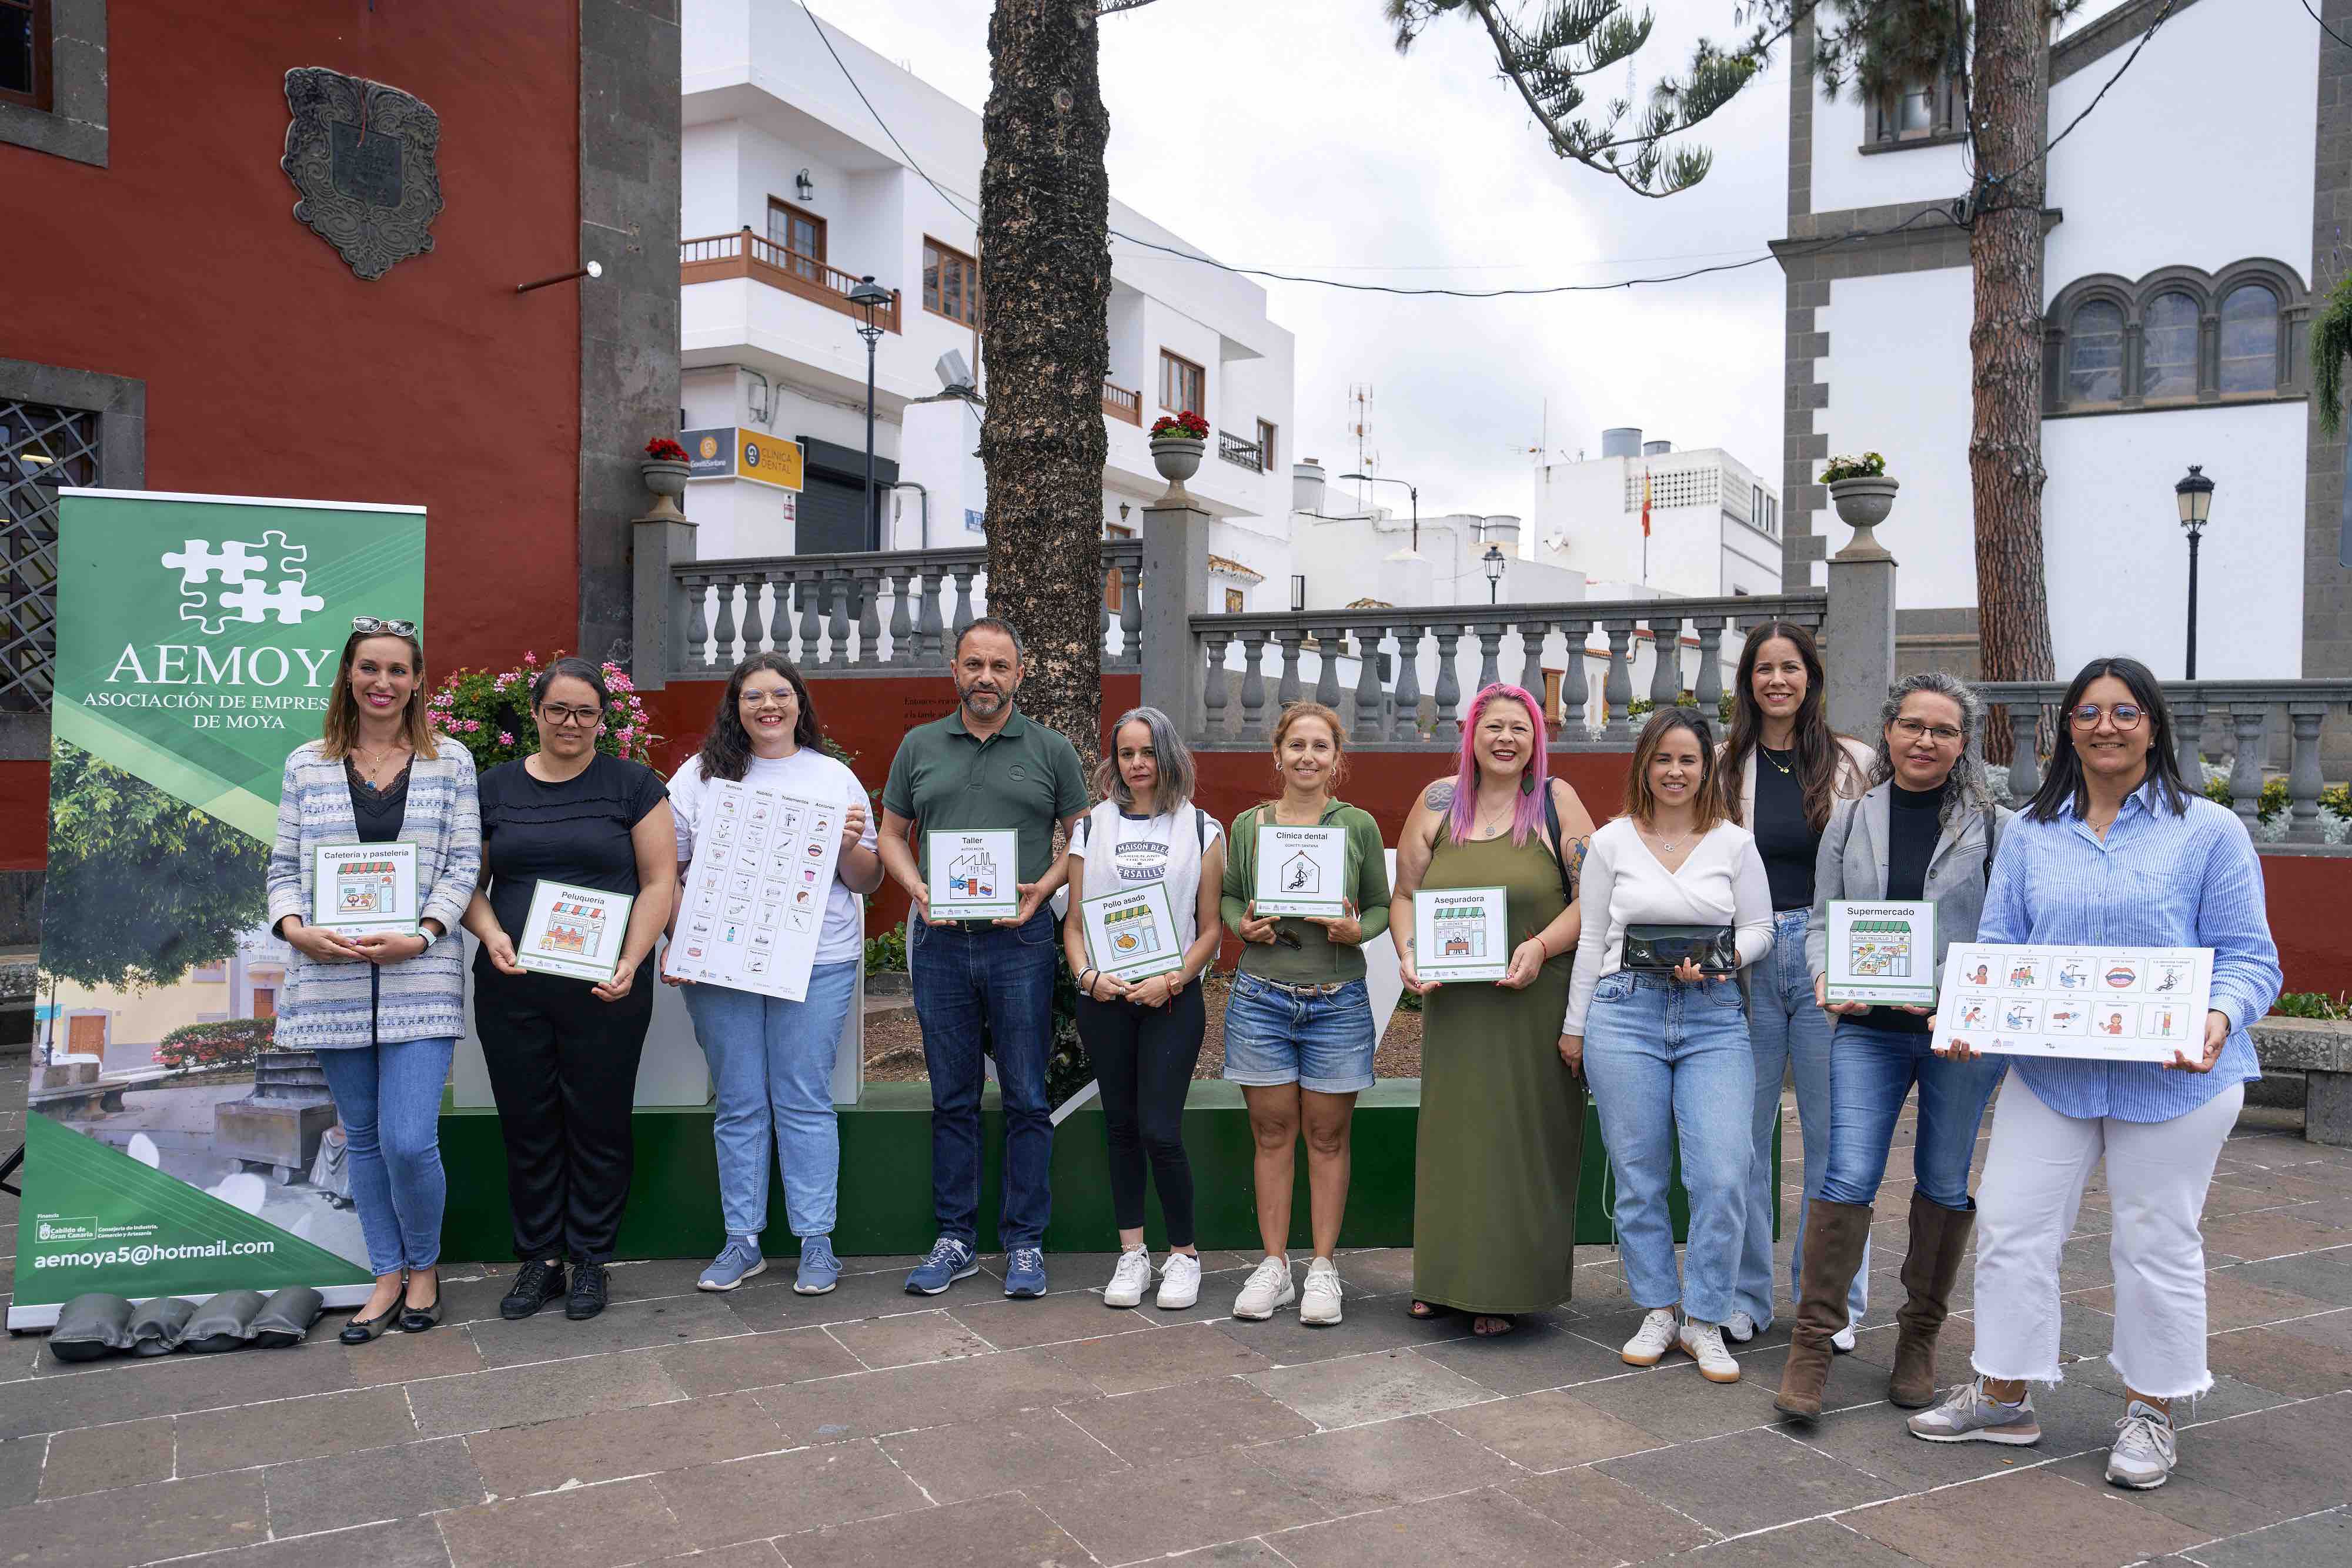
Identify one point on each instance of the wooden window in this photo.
(1266, 446)
(1183, 385)
(800, 233)
(950, 283)
(24, 53)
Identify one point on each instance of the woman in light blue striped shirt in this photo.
(2114, 851)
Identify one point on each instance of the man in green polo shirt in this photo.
(985, 767)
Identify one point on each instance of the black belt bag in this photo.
(1658, 949)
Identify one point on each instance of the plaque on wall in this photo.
(365, 159)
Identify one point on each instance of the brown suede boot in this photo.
(1835, 1234)
(1939, 1239)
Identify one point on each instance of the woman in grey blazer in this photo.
(1927, 830)
(383, 1011)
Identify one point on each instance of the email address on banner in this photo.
(141, 1255)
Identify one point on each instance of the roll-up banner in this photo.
(171, 1149)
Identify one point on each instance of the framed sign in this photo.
(2113, 1004)
(574, 931)
(1301, 871)
(1131, 933)
(1881, 953)
(1462, 934)
(973, 875)
(364, 889)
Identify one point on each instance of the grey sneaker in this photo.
(1968, 1415)
(2144, 1453)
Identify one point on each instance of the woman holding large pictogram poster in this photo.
(377, 986)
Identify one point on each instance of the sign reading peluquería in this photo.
(173, 1149)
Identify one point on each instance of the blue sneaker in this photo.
(949, 1260)
(1024, 1273)
(738, 1263)
(820, 1270)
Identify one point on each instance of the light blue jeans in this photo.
(1668, 1065)
(771, 1079)
(388, 1097)
(1873, 1071)
(1786, 1030)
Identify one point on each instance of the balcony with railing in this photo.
(1239, 453)
(1120, 403)
(745, 253)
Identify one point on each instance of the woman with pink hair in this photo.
(1501, 1118)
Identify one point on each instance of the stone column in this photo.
(657, 643)
(1175, 588)
(1859, 629)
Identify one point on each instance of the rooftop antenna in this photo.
(1359, 425)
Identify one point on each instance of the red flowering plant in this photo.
(662, 449)
(488, 712)
(1188, 424)
(228, 1043)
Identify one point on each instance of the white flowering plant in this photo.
(488, 712)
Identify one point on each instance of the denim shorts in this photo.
(1323, 1042)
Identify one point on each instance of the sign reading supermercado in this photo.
(172, 1150)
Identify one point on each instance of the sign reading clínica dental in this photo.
(2114, 1004)
(973, 875)
(730, 452)
(1301, 871)
(576, 932)
(196, 645)
(1131, 935)
(1461, 934)
(364, 889)
(1881, 953)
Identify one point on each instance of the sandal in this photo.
(1424, 1310)
(1493, 1325)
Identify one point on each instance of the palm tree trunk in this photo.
(2012, 107)
(1045, 212)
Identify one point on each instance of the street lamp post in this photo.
(2195, 496)
(1496, 563)
(1413, 489)
(869, 296)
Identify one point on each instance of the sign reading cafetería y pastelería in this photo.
(172, 1150)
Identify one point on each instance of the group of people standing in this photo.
(1672, 962)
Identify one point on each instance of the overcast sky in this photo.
(1290, 134)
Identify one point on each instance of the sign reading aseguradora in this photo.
(172, 1149)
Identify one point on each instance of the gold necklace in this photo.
(368, 770)
(1765, 752)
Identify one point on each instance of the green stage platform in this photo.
(886, 1185)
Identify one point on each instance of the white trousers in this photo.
(2158, 1174)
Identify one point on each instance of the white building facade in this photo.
(2189, 221)
(793, 190)
(1714, 526)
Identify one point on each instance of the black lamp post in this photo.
(1496, 563)
(869, 296)
(1413, 489)
(2195, 494)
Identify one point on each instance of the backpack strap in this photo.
(1992, 818)
(1200, 826)
(1552, 821)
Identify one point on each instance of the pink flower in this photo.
(530, 658)
(472, 725)
(505, 739)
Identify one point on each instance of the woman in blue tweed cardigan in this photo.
(383, 1012)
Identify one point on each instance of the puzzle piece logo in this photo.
(239, 572)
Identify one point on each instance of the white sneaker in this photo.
(1842, 1341)
(2144, 1453)
(1703, 1342)
(1739, 1328)
(1320, 1302)
(1180, 1283)
(1129, 1278)
(1652, 1340)
(1267, 1287)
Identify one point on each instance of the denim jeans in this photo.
(1786, 1030)
(1668, 1065)
(1871, 1074)
(1001, 977)
(771, 1079)
(1319, 1041)
(388, 1098)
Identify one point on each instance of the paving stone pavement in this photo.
(871, 1426)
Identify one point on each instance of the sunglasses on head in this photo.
(371, 625)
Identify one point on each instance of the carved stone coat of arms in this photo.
(365, 158)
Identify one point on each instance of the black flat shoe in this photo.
(535, 1283)
(361, 1331)
(587, 1298)
(416, 1320)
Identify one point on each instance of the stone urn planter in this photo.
(1862, 505)
(1178, 458)
(666, 480)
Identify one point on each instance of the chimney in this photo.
(1306, 486)
(1656, 448)
(1625, 440)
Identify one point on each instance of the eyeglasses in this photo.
(578, 717)
(768, 699)
(371, 625)
(1912, 729)
(2123, 716)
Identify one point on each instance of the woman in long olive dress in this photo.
(1501, 1118)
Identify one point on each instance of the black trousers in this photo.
(1144, 1059)
(563, 1069)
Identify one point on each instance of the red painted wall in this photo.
(2307, 897)
(270, 369)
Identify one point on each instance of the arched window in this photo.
(2168, 347)
(2249, 334)
(2094, 353)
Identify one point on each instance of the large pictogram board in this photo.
(2116, 1004)
(756, 892)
